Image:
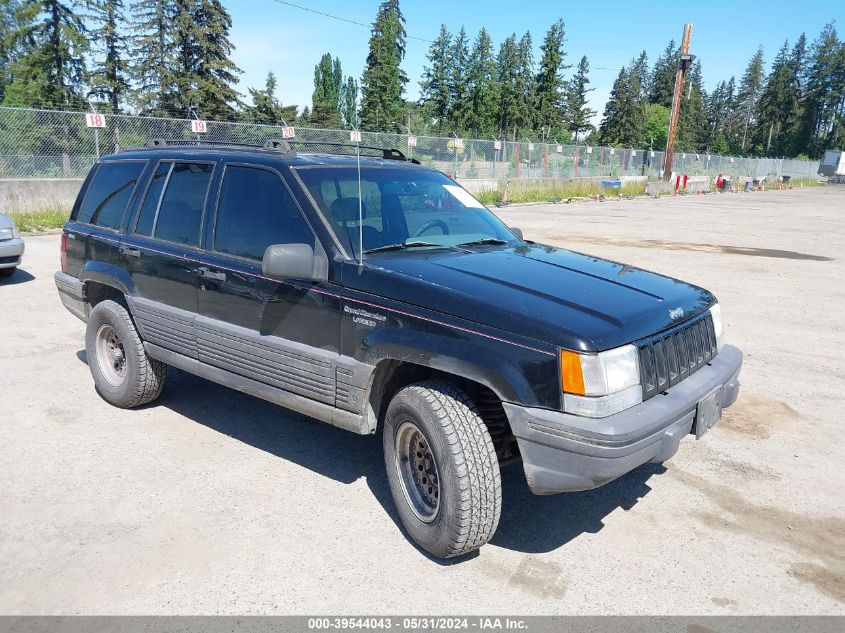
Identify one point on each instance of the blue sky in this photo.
(271, 36)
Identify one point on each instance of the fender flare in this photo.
(107, 275)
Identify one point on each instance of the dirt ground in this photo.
(210, 501)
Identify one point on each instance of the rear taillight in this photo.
(64, 253)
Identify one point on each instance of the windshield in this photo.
(417, 208)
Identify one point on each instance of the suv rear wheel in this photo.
(442, 468)
(123, 373)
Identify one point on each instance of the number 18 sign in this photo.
(93, 119)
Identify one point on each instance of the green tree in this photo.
(662, 80)
(383, 81)
(507, 72)
(656, 126)
(750, 88)
(8, 28)
(692, 121)
(778, 107)
(549, 100)
(435, 93)
(578, 113)
(349, 103)
(152, 66)
(328, 81)
(266, 108)
(526, 86)
(108, 78)
(458, 85)
(824, 103)
(50, 71)
(625, 112)
(482, 86)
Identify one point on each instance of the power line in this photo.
(341, 19)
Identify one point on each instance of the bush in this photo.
(40, 220)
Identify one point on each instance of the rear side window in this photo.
(175, 215)
(109, 193)
(255, 211)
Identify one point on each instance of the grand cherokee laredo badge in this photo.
(676, 313)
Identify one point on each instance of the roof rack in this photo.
(386, 153)
(278, 145)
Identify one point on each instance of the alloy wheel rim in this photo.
(111, 357)
(418, 472)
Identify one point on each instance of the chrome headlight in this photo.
(718, 326)
(599, 385)
(8, 233)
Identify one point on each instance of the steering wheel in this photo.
(440, 224)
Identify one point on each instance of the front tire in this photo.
(8, 272)
(123, 373)
(442, 469)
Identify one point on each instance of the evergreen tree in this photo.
(662, 81)
(152, 66)
(526, 87)
(328, 81)
(435, 93)
(108, 78)
(383, 81)
(750, 87)
(625, 112)
(482, 86)
(266, 108)
(778, 105)
(458, 88)
(824, 103)
(578, 113)
(507, 72)
(692, 122)
(349, 103)
(8, 53)
(549, 101)
(50, 71)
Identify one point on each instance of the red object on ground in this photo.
(677, 182)
(685, 181)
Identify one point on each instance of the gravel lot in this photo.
(211, 501)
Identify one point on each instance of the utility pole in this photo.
(684, 63)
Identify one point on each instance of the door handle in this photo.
(130, 252)
(205, 273)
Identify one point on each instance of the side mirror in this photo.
(517, 232)
(295, 261)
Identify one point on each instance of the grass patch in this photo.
(807, 182)
(40, 220)
(558, 190)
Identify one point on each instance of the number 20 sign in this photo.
(93, 119)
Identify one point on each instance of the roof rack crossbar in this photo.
(272, 144)
(386, 153)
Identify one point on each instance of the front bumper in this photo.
(11, 252)
(563, 453)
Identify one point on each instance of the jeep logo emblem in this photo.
(676, 313)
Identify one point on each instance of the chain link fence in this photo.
(56, 144)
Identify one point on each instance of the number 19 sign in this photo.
(93, 119)
(199, 127)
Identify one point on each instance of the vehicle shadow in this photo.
(20, 276)
(529, 523)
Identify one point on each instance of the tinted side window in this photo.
(109, 194)
(255, 211)
(147, 215)
(180, 213)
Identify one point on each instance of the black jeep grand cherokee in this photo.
(375, 293)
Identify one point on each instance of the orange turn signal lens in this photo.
(571, 377)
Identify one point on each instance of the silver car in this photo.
(11, 247)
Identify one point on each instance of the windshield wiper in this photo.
(401, 246)
(483, 242)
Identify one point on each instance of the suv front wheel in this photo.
(123, 373)
(442, 469)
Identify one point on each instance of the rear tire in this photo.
(8, 272)
(123, 373)
(442, 469)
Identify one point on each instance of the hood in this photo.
(541, 292)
